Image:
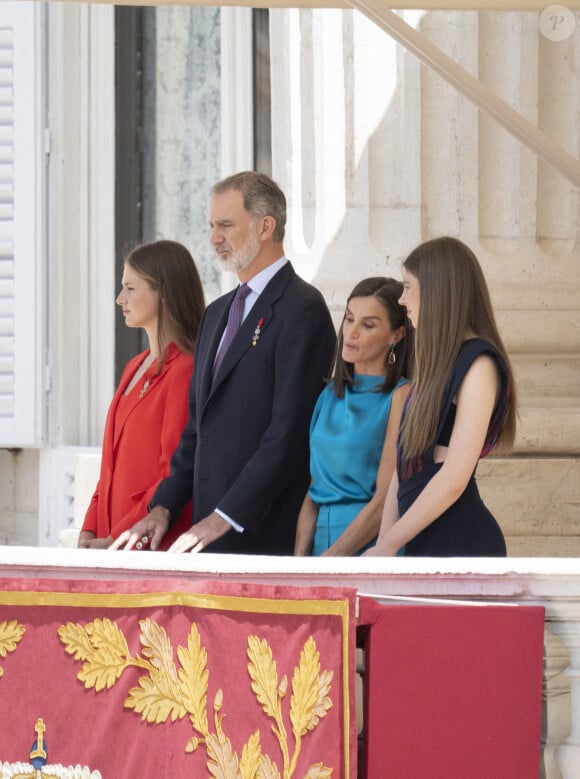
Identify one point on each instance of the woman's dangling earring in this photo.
(392, 358)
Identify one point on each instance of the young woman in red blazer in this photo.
(161, 293)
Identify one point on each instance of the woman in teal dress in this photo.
(355, 424)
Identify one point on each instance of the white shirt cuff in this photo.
(235, 525)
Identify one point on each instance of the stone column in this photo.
(556, 705)
(564, 623)
(346, 146)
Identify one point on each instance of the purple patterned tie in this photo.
(234, 321)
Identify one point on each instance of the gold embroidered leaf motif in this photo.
(223, 761)
(305, 688)
(99, 672)
(193, 678)
(250, 759)
(10, 635)
(283, 686)
(103, 649)
(158, 696)
(324, 703)
(153, 701)
(192, 744)
(318, 771)
(262, 670)
(167, 694)
(107, 637)
(267, 769)
(157, 648)
(76, 641)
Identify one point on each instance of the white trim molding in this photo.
(237, 99)
(81, 68)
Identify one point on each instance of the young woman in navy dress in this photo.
(461, 405)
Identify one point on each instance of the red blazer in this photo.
(141, 432)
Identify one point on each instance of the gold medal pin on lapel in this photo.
(257, 332)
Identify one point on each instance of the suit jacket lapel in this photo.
(261, 313)
(205, 368)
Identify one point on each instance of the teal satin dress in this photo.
(346, 442)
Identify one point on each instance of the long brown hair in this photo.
(387, 292)
(454, 299)
(170, 270)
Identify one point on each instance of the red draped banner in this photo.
(136, 680)
(452, 691)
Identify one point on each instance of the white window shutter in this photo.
(22, 287)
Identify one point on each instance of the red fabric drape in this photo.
(154, 679)
(452, 691)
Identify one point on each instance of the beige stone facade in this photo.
(379, 153)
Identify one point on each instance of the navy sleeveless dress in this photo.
(467, 528)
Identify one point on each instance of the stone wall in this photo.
(19, 496)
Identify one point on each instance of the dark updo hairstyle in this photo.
(387, 291)
(169, 269)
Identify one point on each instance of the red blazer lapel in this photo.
(148, 381)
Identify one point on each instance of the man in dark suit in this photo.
(243, 455)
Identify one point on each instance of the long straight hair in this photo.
(169, 269)
(387, 292)
(454, 299)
